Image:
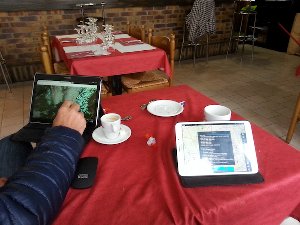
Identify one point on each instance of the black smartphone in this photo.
(85, 173)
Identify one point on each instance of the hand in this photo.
(68, 115)
(3, 181)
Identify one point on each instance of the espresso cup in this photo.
(111, 125)
(216, 113)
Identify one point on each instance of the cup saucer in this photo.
(98, 135)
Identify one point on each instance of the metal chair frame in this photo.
(242, 36)
(83, 15)
(4, 72)
(186, 43)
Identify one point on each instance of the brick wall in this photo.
(20, 31)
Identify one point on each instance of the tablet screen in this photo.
(215, 148)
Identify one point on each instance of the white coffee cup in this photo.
(216, 113)
(111, 125)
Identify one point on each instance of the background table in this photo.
(116, 63)
(137, 184)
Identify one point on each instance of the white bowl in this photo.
(216, 113)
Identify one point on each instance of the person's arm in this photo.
(35, 193)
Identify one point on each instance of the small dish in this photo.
(165, 108)
(98, 136)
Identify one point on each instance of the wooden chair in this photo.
(54, 69)
(136, 32)
(154, 79)
(48, 66)
(294, 121)
(45, 39)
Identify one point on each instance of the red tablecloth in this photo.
(116, 63)
(138, 185)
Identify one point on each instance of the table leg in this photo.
(116, 85)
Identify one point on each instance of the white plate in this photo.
(98, 136)
(165, 108)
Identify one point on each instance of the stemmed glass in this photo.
(109, 38)
(87, 33)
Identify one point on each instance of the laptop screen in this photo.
(50, 91)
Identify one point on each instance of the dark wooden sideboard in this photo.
(28, 5)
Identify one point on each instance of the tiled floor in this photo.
(263, 91)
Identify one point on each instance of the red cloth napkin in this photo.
(67, 39)
(74, 55)
(117, 32)
(133, 42)
(129, 41)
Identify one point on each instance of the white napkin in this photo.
(96, 49)
(133, 48)
(67, 36)
(118, 36)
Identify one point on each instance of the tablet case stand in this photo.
(198, 181)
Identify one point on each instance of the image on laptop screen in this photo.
(49, 95)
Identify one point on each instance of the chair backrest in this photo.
(165, 43)
(137, 32)
(48, 66)
(46, 41)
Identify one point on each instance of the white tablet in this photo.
(215, 148)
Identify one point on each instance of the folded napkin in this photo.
(67, 36)
(66, 40)
(119, 36)
(85, 51)
(131, 42)
(117, 32)
(74, 55)
(133, 48)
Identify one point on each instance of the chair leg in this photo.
(181, 49)
(194, 53)
(5, 75)
(183, 42)
(229, 47)
(253, 36)
(295, 119)
(244, 35)
(207, 44)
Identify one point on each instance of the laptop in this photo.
(49, 92)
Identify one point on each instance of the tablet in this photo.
(215, 148)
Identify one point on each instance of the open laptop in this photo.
(48, 93)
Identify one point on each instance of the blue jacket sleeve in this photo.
(35, 193)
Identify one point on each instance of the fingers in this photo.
(3, 180)
(67, 103)
(69, 115)
(71, 105)
(75, 107)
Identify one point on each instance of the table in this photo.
(138, 185)
(116, 63)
